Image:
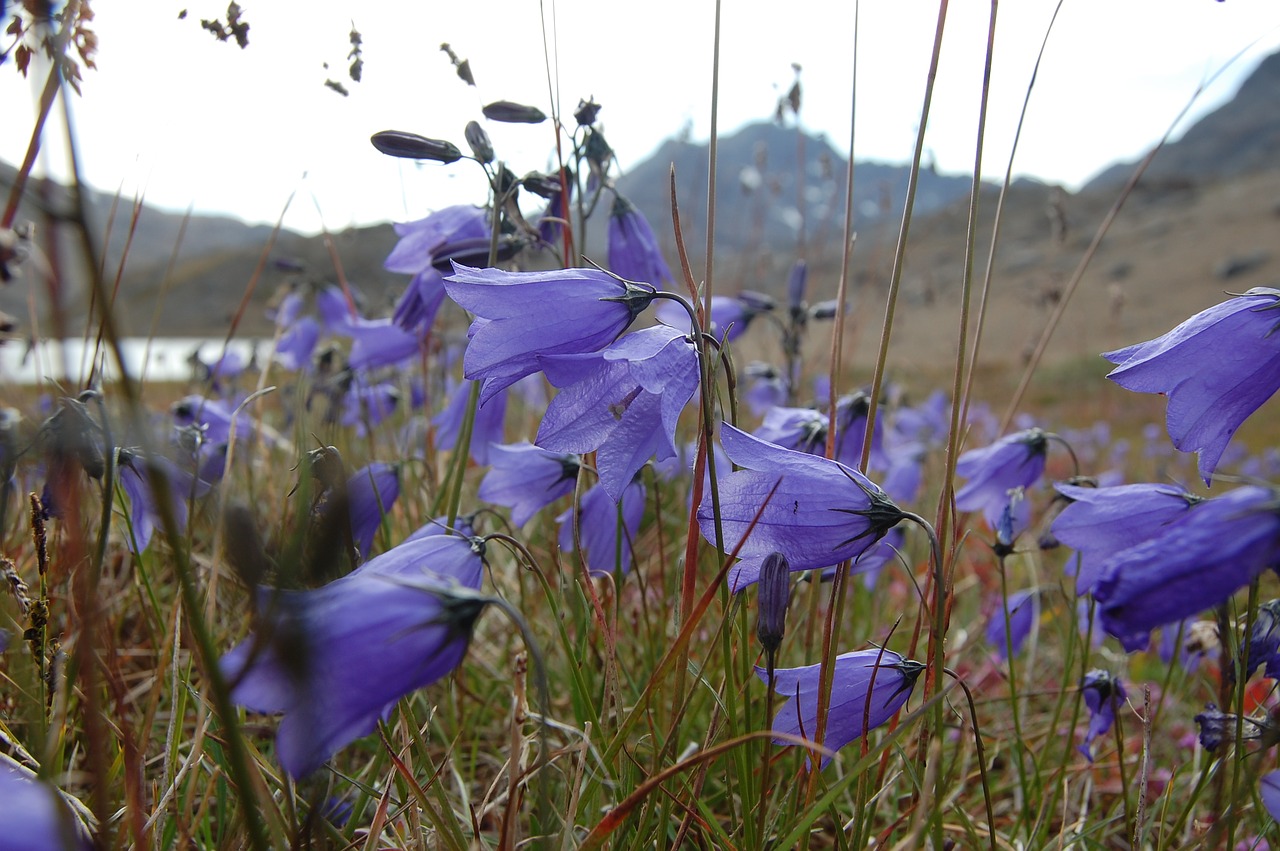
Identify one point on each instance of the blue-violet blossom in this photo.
(1217, 368)
(335, 660)
(885, 675)
(521, 315)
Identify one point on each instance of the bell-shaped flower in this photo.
(851, 432)
(1101, 522)
(623, 402)
(1014, 461)
(523, 315)
(634, 252)
(820, 513)
(527, 478)
(799, 429)
(1102, 694)
(607, 528)
(486, 428)
(1217, 368)
(1269, 791)
(34, 816)
(421, 245)
(765, 387)
(334, 660)
(371, 492)
(1197, 562)
(885, 676)
(730, 316)
(1264, 640)
(1011, 625)
(145, 510)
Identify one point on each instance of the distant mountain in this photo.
(1241, 136)
(757, 202)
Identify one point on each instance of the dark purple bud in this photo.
(795, 287)
(775, 596)
(513, 113)
(478, 139)
(245, 549)
(758, 302)
(586, 112)
(543, 185)
(825, 310)
(411, 146)
(1217, 727)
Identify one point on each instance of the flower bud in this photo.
(796, 286)
(513, 113)
(481, 147)
(774, 597)
(411, 146)
(586, 112)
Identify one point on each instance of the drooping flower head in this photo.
(371, 492)
(765, 387)
(634, 252)
(730, 316)
(1264, 640)
(1269, 791)
(334, 660)
(1011, 625)
(886, 676)
(33, 816)
(623, 403)
(1014, 461)
(608, 527)
(1197, 562)
(821, 513)
(487, 426)
(527, 478)
(1217, 727)
(145, 510)
(421, 244)
(1216, 368)
(522, 315)
(1102, 694)
(1101, 522)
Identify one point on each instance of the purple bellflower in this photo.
(1197, 562)
(821, 513)
(851, 431)
(1016, 460)
(1101, 522)
(1269, 791)
(634, 253)
(623, 402)
(371, 491)
(608, 547)
(486, 429)
(566, 311)
(1102, 694)
(1023, 611)
(1217, 727)
(730, 316)
(144, 509)
(799, 429)
(1217, 368)
(527, 478)
(1264, 640)
(34, 817)
(885, 675)
(421, 244)
(297, 342)
(336, 659)
(765, 387)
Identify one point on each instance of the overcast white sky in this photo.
(187, 120)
